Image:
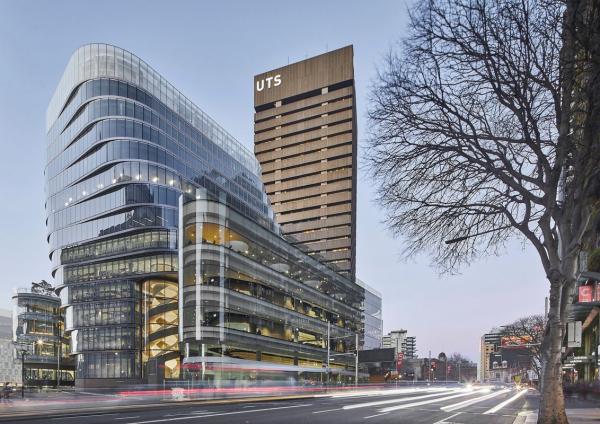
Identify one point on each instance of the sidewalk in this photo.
(579, 410)
(576, 416)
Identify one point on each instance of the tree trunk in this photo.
(552, 400)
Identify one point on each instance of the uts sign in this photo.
(269, 82)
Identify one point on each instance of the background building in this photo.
(10, 366)
(38, 331)
(380, 364)
(401, 342)
(305, 140)
(372, 319)
(490, 343)
(507, 357)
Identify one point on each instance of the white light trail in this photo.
(426, 402)
(390, 392)
(468, 402)
(397, 400)
(506, 402)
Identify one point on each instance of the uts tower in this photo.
(305, 141)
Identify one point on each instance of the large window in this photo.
(108, 365)
(122, 268)
(146, 240)
(105, 313)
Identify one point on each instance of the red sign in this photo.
(515, 341)
(399, 361)
(586, 294)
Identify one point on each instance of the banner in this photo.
(399, 361)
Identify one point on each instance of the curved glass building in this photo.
(125, 152)
(122, 145)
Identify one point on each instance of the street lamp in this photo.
(23, 352)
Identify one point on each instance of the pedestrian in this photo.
(6, 390)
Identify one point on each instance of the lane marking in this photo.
(327, 410)
(468, 402)
(187, 414)
(81, 416)
(426, 402)
(221, 414)
(127, 418)
(506, 402)
(397, 400)
(390, 392)
(376, 415)
(447, 418)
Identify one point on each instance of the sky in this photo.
(210, 51)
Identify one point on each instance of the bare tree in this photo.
(485, 127)
(529, 331)
(459, 358)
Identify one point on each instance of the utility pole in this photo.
(446, 375)
(328, 351)
(429, 367)
(59, 350)
(356, 362)
(58, 363)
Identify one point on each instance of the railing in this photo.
(24, 290)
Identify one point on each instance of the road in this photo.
(431, 406)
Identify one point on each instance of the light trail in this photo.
(397, 400)
(506, 402)
(468, 402)
(426, 402)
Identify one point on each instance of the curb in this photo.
(21, 416)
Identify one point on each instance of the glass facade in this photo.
(122, 146)
(372, 320)
(248, 294)
(38, 328)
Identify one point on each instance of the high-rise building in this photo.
(305, 140)
(490, 343)
(151, 206)
(409, 347)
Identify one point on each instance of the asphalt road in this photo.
(431, 406)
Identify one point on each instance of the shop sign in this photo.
(586, 294)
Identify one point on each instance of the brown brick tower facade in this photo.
(305, 140)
